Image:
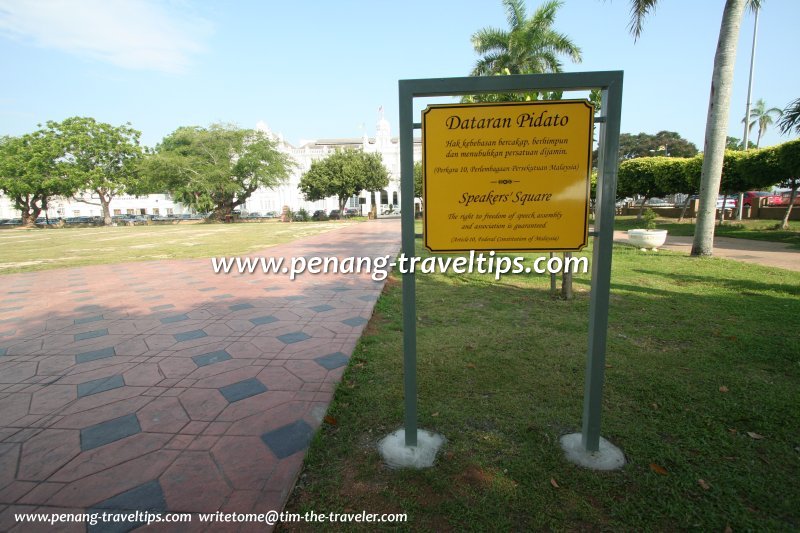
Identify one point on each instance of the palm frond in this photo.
(790, 118)
(639, 10)
(515, 13)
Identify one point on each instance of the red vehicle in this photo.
(786, 196)
(752, 198)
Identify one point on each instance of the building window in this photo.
(117, 211)
(76, 213)
(129, 212)
(155, 211)
(170, 211)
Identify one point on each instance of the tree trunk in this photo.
(717, 126)
(28, 220)
(785, 221)
(566, 279)
(105, 203)
(722, 211)
(641, 209)
(29, 211)
(685, 207)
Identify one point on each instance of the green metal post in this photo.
(409, 282)
(601, 264)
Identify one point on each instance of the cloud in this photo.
(132, 34)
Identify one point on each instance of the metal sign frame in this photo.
(610, 85)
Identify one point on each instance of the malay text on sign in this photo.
(507, 177)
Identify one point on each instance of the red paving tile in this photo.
(204, 451)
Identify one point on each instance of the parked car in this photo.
(352, 212)
(334, 215)
(730, 202)
(319, 214)
(786, 196)
(753, 197)
(657, 202)
(270, 214)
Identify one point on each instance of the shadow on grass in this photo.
(500, 372)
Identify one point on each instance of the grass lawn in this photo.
(702, 392)
(26, 250)
(762, 230)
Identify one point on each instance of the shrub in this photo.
(302, 215)
(649, 217)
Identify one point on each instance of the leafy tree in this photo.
(788, 155)
(663, 143)
(529, 46)
(344, 174)
(734, 143)
(32, 172)
(640, 176)
(418, 179)
(718, 111)
(762, 117)
(100, 158)
(217, 168)
(790, 118)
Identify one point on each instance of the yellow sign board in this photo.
(507, 177)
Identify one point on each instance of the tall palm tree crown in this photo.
(761, 116)
(529, 46)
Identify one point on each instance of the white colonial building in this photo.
(264, 200)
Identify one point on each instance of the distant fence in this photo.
(749, 212)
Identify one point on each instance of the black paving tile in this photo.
(332, 360)
(173, 319)
(242, 389)
(211, 358)
(91, 334)
(109, 431)
(355, 321)
(87, 320)
(190, 335)
(291, 338)
(288, 439)
(96, 386)
(102, 353)
(260, 321)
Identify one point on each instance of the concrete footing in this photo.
(396, 454)
(608, 457)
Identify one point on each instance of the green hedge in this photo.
(741, 171)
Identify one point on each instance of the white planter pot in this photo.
(647, 239)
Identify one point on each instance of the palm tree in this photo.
(529, 46)
(790, 118)
(762, 116)
(718, 112)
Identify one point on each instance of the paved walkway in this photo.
(773, 254)
(162, 386)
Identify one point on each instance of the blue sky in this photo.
(322, 69)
